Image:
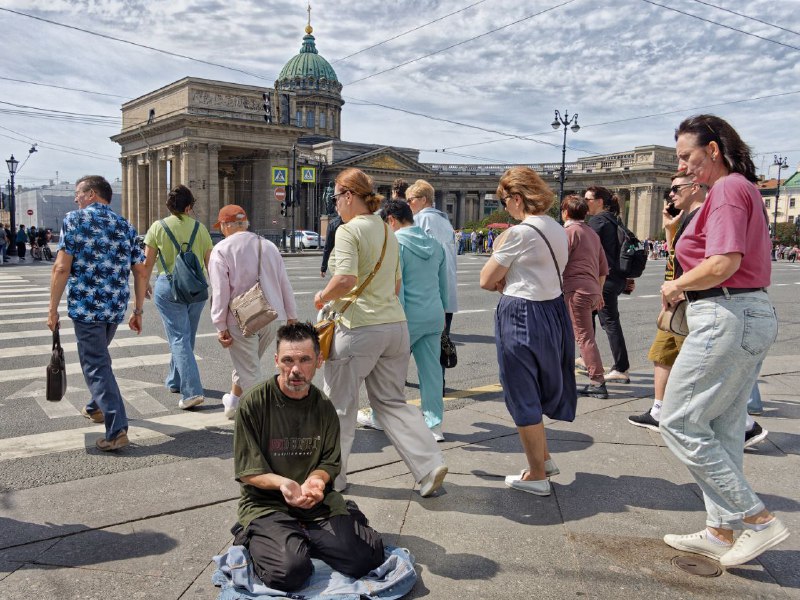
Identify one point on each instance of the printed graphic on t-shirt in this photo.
(294, 446)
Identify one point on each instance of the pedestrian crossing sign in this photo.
(280, 175)
(308, 174)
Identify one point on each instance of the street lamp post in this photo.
(781, 164)
(12, 170)
(558, 121)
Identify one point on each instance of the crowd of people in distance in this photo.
(390, 284)
(38, 239)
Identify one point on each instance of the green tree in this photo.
(787, 234)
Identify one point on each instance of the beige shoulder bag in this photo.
(251, 309)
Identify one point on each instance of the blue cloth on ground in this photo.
(390, 581)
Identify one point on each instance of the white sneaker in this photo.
(366, 418)
(230, 404)
(617, 376)
(432, 481)
(697, 543)
(437, 433)
(191, 402)
(753, 543)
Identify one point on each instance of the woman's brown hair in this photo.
(524, 181)
(361, 185)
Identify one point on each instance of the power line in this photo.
(661, 114)
(61, 112)
(755, 35)
(61, 87)
(123, 41)
(43, 145)
(451, 46)
(458, 123)
(399, 35)
(733, 12)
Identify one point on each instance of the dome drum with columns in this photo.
(213, 137)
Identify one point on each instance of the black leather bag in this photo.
(448, 357)
(56, 371)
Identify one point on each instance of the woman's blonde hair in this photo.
(420, 189)
(536, 195)
(360, 184)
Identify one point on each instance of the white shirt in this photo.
(531, 272)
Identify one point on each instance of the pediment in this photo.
(384, 159)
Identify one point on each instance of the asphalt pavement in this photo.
(140, 525)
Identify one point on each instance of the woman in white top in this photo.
(533, 332)
(232, 270)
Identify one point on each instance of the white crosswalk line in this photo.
(41, 444)
(28, 335)
(42, 295)
(10, 312)
(54, 410)
(133, 393)
(42, 320)
(18, 289)
(74, 369)
(44, 349)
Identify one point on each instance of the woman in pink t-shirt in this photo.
(725, 254)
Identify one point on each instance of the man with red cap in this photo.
(232, 270)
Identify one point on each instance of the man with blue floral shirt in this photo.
(97, 252)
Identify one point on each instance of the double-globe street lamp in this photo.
(12, 170)
(558, 121)
(781, 163)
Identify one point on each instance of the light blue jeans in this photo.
(704, 411)
(754, 403)
(93, 341)
(180, 326)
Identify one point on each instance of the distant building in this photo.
(789, 200)
(233, 143)
(50, 203)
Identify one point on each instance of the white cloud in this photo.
(606, 60)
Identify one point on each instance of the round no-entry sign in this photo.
(30, 212)
(280, 194)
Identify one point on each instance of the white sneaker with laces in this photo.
(437, 433)
(366, 418)
(230, 404)
(697, 543)
(752, 543)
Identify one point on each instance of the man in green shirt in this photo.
(286, 456)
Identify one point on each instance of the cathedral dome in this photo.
(308, 70)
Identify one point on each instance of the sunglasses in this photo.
(677, 188)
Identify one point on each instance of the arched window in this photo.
(299, 118)
(310, 119)
(322, 120)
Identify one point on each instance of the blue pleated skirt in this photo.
(536, 355)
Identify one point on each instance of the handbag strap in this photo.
(258, 273)
(553, 254)
(56, 338)
(175, 243)
(371, 275)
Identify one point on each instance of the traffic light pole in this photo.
(292, 195)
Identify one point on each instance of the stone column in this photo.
(129, 199)
(142, 193)
(161, 185)
(460, 214)
(213, 185)
(124, 199)
(481, 204)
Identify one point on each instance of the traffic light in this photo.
(267, 108)
(284, 206)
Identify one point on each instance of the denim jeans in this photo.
(754, 403)
(704, 411)
(180, 325)
(93, 341)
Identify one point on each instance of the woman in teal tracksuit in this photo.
(424, 272)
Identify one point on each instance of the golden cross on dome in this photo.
(309, 29)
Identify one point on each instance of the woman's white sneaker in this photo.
(753, 543)
(230, 404)
(697, 543)
(191, 402)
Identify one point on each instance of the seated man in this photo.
(286, 456)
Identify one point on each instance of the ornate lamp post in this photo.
(781, 164)
(558, 121)
(12, 170)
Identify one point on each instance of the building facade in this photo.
(233, 143)
(50, 203)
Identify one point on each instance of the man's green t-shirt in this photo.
(288, 437)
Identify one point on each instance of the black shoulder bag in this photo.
(56, 371)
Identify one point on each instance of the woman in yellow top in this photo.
(180, 320)
(371, 342)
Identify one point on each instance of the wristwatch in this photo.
(138, 311)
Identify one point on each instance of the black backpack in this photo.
(187, 280)
(632, 254)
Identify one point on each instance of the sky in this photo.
(461, 80)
